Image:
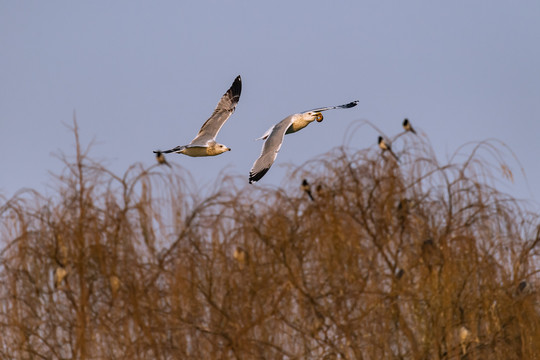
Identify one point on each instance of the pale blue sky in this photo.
(144, 75)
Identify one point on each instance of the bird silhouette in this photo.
(307, 189)
(408, 127)
(160, 157)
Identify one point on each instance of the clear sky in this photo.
(145, 75)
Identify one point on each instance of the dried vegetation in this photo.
(415, 260)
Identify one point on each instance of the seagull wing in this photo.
(344, 106)
(270, 150)
(222, 112)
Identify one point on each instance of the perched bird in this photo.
(386, 147)
(204, 144)
(307, 189)
(408, 127)
(59, 274)
(402, 211)
(319, 190)
(114, 282)
(241, 256)
(161, 158)
(464, 338)
(274, 137)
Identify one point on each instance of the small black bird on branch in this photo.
(307, 189)
(386, 147)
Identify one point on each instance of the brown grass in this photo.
(415, 260)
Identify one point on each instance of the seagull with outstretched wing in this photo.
(205, 143)
(274, 137)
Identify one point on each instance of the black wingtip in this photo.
(351, 104)
(253, 177)
(236, 87)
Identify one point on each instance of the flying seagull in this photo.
(161, 158)
(408, 127)
(205, 143)
(274, 137)
(385, 146)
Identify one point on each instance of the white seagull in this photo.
(274, 137)
(205, 143)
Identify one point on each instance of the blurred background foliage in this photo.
(368, 259)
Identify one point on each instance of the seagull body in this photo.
(408, 127)
(204, 144)
(274, 137)
(386, 147)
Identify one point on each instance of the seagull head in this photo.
(314, 115)
(223, 148)
(217, 149)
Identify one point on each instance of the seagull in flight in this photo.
(274, 137)
(385, 146)
(408, 127)
(205, 143)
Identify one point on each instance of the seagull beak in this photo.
(319, 117)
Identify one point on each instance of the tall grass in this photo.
(417, 260)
